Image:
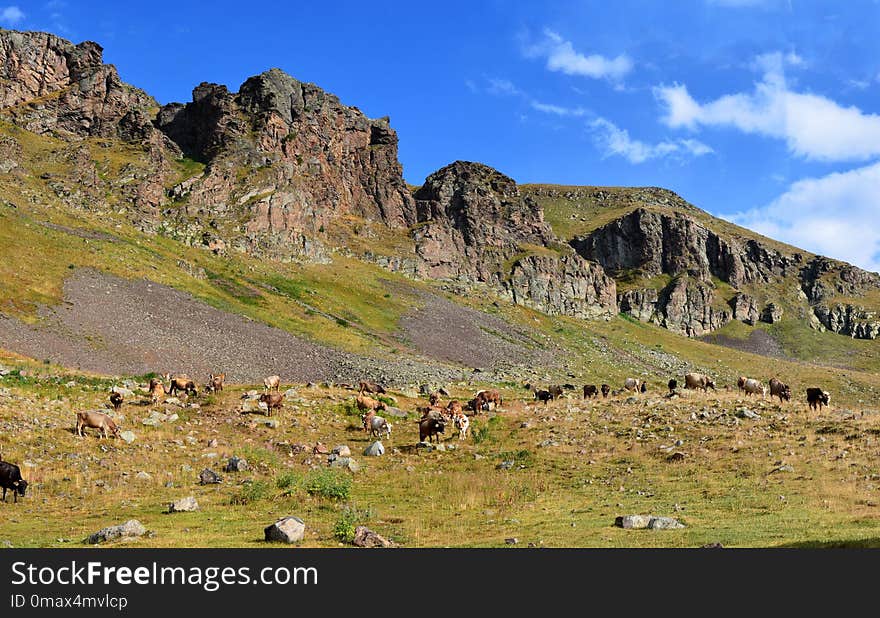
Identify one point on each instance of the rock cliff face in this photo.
(288, 160)
(474, 225)
(649, 243)
(51, 85)
(674, 243)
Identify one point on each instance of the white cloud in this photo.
(11, 15)
(617, 142)
(562, 57)
(813, 126)
(558, 110)
(499, 86)
(832, 215)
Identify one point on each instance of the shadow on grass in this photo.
(838, 544)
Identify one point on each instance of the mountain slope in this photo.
(284, 205)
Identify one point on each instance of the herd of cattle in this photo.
(435, 417)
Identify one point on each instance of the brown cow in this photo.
(365, 404)
(95, 420)
(272, 401)
(371, 387)
(431, 428)
(157, 390)
(778, 389)
(215, 382)
(184, 384)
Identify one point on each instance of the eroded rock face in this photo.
(566, 285)
(51, 85)
(288, 159)
(475, 225)
(850, 320)
(674, 243)
(745, 308)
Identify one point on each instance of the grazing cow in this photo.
(436, 413)
(555, 390)
(366, 404)
(116, 399)
(273, 401)
(95, 420)
(816, 398)
(632, 384)
(672, 384)
(376, 425)
(699, 380)
(753, 387)
(605, 390)
(183, 384)
(215, 382)
(778, 389)
(454, 408)
(431, 428)
(644, 387)
(543, 395)
(462, 423)
(434, 398)
(370, 387)
(157, 390)
(10, 478)
(590, 391)
(272, 382)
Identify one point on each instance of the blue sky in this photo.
(765, 112)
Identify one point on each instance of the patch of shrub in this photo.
(330, 484)
(251, 492)
(349, 519)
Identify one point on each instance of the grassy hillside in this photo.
(791, 477)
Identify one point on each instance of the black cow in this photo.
(816, 398)
(10, 478)
(543, 395)
(673, 384)
(605, 390)
(590, 391)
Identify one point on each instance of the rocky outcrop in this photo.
(640, 303)
(687, 308)
(475, 225)
(850, 320)
(53, 86)
(675, 243)
(566, 285)
(745, 309)
(287, 159)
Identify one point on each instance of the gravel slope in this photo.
(117, 326)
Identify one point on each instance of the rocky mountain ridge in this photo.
(283, 170)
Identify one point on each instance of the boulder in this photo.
(130, 529)
(236, 464)
(347, 463)
(364, 537)
(286, 530)
(184, 505)
(341, 451)
(375, 449)
(652, 522)
(209, 477)
(127, 436)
